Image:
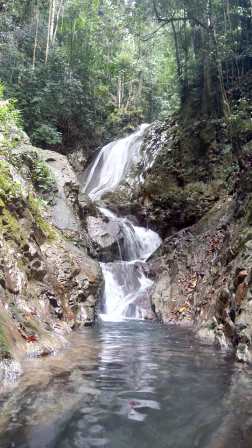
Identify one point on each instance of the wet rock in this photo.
(161, 297)
(107, 237)
(76, 276)
(86, 206)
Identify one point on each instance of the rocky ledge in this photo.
(50, 282)
(203, 273)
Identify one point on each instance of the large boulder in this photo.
(107, 237)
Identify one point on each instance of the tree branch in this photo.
(173, 19)
(149, 36)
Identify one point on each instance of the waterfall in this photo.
(126, 283)
(113, 163)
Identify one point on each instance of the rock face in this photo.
(203, 272)
(107, 237)
(63, 214)
(49, 284)
(204, 278)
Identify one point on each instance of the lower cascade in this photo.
(126, 282)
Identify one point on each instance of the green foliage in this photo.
(103, 60)
(47, 135)
(99, 67)
(240, 120)
(9, 190)
(9, 114)
(41, 176)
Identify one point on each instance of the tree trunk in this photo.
(61, 6)
(48, 30)
(35, 39)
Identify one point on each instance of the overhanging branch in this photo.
(172, 19)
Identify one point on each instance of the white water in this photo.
(126, 283)
(141, 243)
(113, 163)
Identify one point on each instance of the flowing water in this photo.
(126, 283)
(114, 163)
(127, 286)
(130, 384)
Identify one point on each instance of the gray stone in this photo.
(107, 237)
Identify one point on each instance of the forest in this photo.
(83, 69)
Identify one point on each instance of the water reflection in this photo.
(132, 384)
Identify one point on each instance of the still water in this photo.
(131, 384)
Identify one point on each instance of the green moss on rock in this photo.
(46, 228)
(4, 344)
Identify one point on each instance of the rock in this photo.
(63, 213)
(240, 294)
(78, 160)
(161, 297)
(37, 269)
(14, 279)
(86, 206)
(107, 237)
(242, 353)
(76, 276)
(220, 339)
(167, 193)
(48, 286)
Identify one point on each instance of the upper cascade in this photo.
(113, 163)
(127, 285)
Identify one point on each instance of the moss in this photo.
(10, 193)
(38, 172)
(7, 186)
(35, 208)
(10, 226)
(4, 345)
(9, 114)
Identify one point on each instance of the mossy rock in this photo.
(39, 173)
(5, 352)
(44, 226)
